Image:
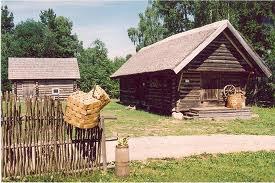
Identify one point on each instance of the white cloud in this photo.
(115, 38)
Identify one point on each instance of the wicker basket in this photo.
(83, 109)
(236, 101)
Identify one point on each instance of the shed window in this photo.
(55, 91)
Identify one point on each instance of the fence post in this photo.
(103, 144)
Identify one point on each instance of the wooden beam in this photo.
(180, 81)
(103, 144)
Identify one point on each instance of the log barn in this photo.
(43, 76)
(189, 69)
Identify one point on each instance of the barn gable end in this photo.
(219, 55)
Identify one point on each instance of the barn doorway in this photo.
(210, 88)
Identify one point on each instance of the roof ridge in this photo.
(175, 36)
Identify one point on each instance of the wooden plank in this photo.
(103, 144)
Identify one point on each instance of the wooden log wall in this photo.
(160, 92)
(219, 55)
(66, 87)
(189, 90)
(192, 91)
(41, 142)
(128, 90)
(44, 87)
(155, 92)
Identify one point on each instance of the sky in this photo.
(104, 20)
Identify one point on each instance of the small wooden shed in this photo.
(189, 69)
(43, 76)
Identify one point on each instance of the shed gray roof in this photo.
(43, 68)
(175, 52)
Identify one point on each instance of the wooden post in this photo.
(103, 144)
(74, 86)
(15, 88)
(36, 89)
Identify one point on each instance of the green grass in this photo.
(248, 167)
(141, 123)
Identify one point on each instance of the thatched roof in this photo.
(43, 68)
(175, 52)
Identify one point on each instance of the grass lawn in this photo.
(140, 123)
(247, 167)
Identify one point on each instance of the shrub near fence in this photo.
(41, 142)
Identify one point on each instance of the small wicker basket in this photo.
(83, 109)
(236, 101)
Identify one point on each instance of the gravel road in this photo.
(142, 148)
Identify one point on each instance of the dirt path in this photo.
(142, 148)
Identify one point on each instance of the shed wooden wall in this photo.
(66, 87)
(156, 92)
(191, 93)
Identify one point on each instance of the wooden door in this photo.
(28, 88)
(210, 86)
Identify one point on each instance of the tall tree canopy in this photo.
(96, 68)
(149, 30)
(7, 24)
(59, 40)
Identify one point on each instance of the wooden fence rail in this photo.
(40, 141)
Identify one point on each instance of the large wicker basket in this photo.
(236, 101)
(83, 109)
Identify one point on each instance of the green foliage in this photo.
(7, 27)
(28, 39)
(59, 41)
(150, 29)
(176, 15)
(123, 142)
(256, 22)
(7, 24)
(47, 17)
(128, 56)
(96, 68)
(6, 48)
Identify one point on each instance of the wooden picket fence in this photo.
(37, 140)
